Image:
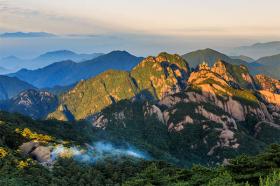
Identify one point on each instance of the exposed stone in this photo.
(33, 149)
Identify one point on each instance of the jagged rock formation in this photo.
(161, 75)
(237, 74)
(222, 87)
(267, 83)
(269, 91)
(33, 103)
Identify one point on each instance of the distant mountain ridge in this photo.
(209, 56)
(269, 65)
(270, 60)
(26, 34)
(257, 50)
(14, 63)
(69, 72)
(243, 58)
(61, 55)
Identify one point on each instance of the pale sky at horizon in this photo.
(235, 18)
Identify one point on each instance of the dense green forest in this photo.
(15, 169)
(243, 170)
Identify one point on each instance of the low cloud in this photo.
(97, 152)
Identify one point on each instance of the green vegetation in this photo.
(131, 172)
(152, 78)
(271, 180)
(160, 75)
(183, 148)
(91, 96)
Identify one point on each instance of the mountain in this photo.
(33, 103)
(209, 56)
(147, 126)
(61, 55)
(269, 65)
(69, 72)
(3, 70)
(58, 90)
(14, 63)
(153, 78)
(257, 67)
(11, 62)
(243, 58)
(257, 50)
(156, 77)
(273, 61)
(206, 116)
(268, 83)
(26, 34)
(11, 86)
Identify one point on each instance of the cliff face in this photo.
(269, 92)
(219, 87)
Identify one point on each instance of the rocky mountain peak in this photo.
(267, 83)
(203, 66)
(33, 103)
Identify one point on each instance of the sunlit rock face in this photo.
(269, 84)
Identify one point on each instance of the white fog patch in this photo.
(95, 152)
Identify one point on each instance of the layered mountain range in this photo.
(209, 114)
(68, 72)
(156, 77)
(13, 63)
(196, 111)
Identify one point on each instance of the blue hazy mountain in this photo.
(243, 58)
(34, 103)
(257, 50)
(26, 34)
(3, 70)
(12, 86)
(269, 65)
(14, 63)
(69, 72)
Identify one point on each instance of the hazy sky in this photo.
(242, 18)
(143, 27)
